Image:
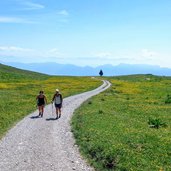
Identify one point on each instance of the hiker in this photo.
(57, 99)
(41, 101)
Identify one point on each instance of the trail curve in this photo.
(45, 144)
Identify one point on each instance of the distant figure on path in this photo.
(57, 99)
(41, 101)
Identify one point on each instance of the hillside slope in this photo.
(8, 74)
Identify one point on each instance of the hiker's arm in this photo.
(45, 100)
(61, 98)
(37, 101)
(37, 98)
(53, 98)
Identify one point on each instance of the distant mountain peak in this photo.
(108, 69)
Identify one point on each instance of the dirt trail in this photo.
(44, 144)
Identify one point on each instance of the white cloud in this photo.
(148, 53)
(28, 5)
(27, 55)
(15, 20)
(54, 50)
(14, 49)
(103, 55)
(54, 53)
(11, 20)
(19, 54)
(63, 12)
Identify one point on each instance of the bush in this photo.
(168, 99)
(89, 102)
(101, 112)
(156, 123)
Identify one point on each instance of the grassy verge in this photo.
(19, 88)
(115, 130)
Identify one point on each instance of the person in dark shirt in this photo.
(41, 101)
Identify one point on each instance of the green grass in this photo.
(113, 131)
(19, 88)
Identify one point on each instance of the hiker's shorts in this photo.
(41, 104)
(58, 105)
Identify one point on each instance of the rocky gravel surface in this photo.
(44, 144)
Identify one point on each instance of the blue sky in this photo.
(86, 32)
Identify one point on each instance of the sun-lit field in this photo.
(128, 127)
(18, 91)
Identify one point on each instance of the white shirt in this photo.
(58, 99)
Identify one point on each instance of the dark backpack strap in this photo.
(60, 97)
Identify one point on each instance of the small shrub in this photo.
(89, 102)
(101, 111)
(118, 91)
(109, 162)
(168, 99)
(156, 123)
(111, 91)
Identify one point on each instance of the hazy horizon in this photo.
(86, 65)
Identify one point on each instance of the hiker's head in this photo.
(41, 92)
(57, 90)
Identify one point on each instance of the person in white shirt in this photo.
(57, 99)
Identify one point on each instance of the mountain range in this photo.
(108, 70)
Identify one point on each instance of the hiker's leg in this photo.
(56, 112)
(39, 107)
(42, 110)
(59, 112)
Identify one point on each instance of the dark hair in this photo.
(41, 92)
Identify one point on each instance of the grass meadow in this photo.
(19, 88)
(127, 127)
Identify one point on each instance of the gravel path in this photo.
(44, 144)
